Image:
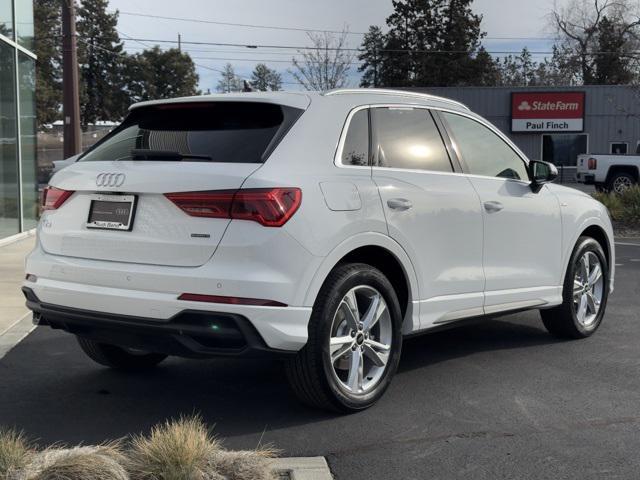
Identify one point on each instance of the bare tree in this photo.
(326, 64)
(578, 26)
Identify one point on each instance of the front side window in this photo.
(355, 150)
(408, 138)
(484, 152)
(231, 132)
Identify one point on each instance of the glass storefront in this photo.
(18, 186)
(563, 149)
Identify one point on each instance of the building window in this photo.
(24, 23)
(9, 223)
(27, 86)
(6, 19)
(618, 148)
(563, 149)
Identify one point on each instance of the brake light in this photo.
(271, 207)
(53, 198)
(592, 164)
(196, 297)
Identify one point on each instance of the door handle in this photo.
(493, 207)
(399, 204)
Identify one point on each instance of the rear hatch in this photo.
(119, 210)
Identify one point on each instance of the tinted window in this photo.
(237, 132)
(484, 152)
(408, 138)
(356, 144)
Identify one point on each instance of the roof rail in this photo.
(399, 93)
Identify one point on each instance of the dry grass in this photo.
(244, 465)
(183, 449)
(14, 452)
(104, 462)
(175, 450)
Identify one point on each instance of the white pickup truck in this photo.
(613, 173)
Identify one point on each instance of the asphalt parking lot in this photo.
(500, 399)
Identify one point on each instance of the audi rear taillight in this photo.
(53, 198)
(592, 164)
(271, 207)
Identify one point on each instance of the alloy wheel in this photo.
(361, 339)
(620, 184)
(588, 289)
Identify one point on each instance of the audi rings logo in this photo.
(110, 179)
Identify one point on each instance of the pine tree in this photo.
(100, 55)
(156, 73)
(263, 79)
(371, 57)
(433, 43)
(48, 47)
(612, 63)
(229, 82)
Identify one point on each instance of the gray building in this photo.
(611, 117)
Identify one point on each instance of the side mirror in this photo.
(541, 173)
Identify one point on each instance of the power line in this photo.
(246, 25)
(294, 29)
(385, 50)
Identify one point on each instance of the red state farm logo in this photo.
(524, 106)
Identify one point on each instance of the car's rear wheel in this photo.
(118, 357)
(354, 343)
(620, 182)
(585, 293)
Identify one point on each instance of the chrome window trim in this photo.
(338, 155)
(337, 159)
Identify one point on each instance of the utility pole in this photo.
(179, 43)
(70, 87)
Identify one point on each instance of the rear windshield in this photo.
(236, 132)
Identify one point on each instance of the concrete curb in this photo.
(15, 333)
(17, 237)
(303, 468)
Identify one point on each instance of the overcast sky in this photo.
(501, 18)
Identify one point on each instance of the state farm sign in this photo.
(547, 111)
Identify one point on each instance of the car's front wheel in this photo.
(354, 343)
(585, 293)
(118, 357)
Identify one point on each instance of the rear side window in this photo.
(408, 138)
(355, 150)
(235, 132)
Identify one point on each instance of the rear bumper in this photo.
(586, 178)
(189, 333)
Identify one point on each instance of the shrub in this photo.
(14, 452)
(244, 465)
(175, 450)
(102, 462)
(624, 207)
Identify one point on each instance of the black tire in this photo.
(617, 177)
(562, 321)
(310, 371)
(117, 357)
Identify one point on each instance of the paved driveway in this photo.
(501, 399)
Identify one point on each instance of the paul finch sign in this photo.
(547, 112)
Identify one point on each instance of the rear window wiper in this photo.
(169, 155)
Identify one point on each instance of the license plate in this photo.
(112, 212)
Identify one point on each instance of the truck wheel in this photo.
(621, 181)
(355, 338)
(585, 293)
(118, 357)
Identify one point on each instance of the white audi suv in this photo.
(322, 228)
